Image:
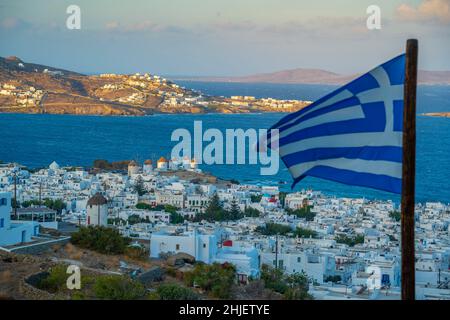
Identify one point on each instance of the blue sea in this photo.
(37, 140)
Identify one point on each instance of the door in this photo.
(24, 235)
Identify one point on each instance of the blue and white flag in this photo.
(353, 135)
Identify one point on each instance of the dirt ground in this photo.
(15, 267)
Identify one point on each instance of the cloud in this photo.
(428, 10)
(112, 25)
(234, 26)
(142, 26)
(12, 23)
(313, 26)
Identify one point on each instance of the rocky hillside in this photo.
(32, 88)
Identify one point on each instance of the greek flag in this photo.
(352, 135)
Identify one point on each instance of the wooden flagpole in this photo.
(409, 172)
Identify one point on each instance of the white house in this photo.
(196, 202)
(203, 247)
(316, 266)
(13, 232)
(175, 199)
(245, 259)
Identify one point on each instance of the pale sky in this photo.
(222, 37)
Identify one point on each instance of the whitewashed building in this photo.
(14, 232)
(203, 247)
(97, 211)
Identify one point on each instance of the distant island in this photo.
(438, 114)
(316, 76)
(33, 88)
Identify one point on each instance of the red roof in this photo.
(228, 243)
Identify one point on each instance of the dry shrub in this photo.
(5, 276)
(73, 252)
(56, 247)
(70, 248)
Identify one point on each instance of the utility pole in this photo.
(40, 193)
(15, 194)
(276, 251)
(409, 172)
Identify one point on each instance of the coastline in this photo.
(259, 112)
(437, 114)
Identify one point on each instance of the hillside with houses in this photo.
(32, 88)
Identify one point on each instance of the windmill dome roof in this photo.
(97, 200)
(132, 164)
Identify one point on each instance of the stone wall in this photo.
(40, 247)
(31, 292)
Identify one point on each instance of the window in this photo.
(2, 223)
(3, 201)
(299, 259)
(177, 247)
(204, 245)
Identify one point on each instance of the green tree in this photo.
(116, 221)
(273, 279)
(217, 279)
(351, 241)
(175, 292)
(170, 209)
(292, 287)
(256, 198)
(55, 280)
(271, 229)
(305, 233)
(176, 218)
(252, 212)
(282, 197)
(334, 279)
(116, 287)
(143, 206)
(298, 285)
(214, 211)
(139, 186)
(134, 218)
(100, 239)
(29, 203)
(304, 213)
(58, 205)
(234, 213)
(396, 215)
